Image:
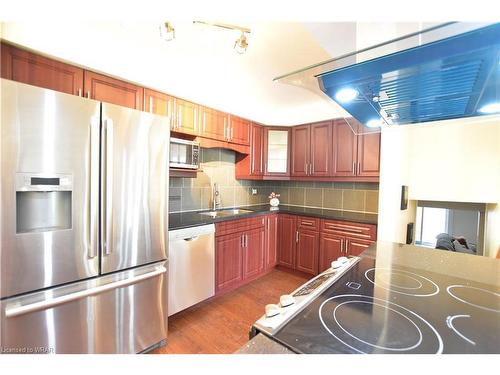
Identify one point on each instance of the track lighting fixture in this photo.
(241, 43)
(167, 31)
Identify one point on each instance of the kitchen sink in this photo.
(223, 213)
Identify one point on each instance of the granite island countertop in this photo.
(179, 220)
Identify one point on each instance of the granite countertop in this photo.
(181, 220)
(261, 344)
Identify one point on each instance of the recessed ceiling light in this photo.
(346, 95)
(490, 108)
(374, 123)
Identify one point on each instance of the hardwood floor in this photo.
(221, 324)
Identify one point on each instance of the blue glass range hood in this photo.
(455, 77)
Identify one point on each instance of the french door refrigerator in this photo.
(84, 224)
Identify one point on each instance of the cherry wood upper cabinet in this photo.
(251, 166)
(239, 130)
(158, 102)
(271, 256)
(213, 123)
(111, 90)
(276, 152)
(228, 261)
(330, 248)
(300, 150)
(287, 237)
(321, 149)
(344, 149)
(36, 70)
(369, 154)
(254, 246)
(256, 145)
(185, 117)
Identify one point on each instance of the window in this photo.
(455, 219)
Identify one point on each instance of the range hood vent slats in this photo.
(448, 78)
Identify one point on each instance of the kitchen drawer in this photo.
(355, 230)
(356, 247)
(311, 223)
(239, 225)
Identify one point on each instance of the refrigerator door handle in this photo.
(13, 311)
(93, 199)
(107, 186)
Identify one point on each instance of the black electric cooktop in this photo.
(398, 309)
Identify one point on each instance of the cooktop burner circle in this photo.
(407, 334)
(377, 320)
(481, 298)
(401, 281)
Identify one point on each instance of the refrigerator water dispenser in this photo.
(43, 203)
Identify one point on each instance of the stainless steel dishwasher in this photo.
(191, 266)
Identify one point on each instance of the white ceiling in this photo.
(201, 65)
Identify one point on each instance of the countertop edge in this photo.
(258, 210)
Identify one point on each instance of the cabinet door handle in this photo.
(195, 125)
(341, 246)
(296, 236)
(305, 167)
(88, 94)
(359, 168)
(311, 170)
(79, 92)
(354, 167)
(345, 246)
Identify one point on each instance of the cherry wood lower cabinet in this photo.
(355, 246)
(32, 69)
(343, 238)
(298, 246)
(240, 252)
(306, 259)
(228, 261)
(287, 240)
(254, 246)
(330, 248)
(271, 254)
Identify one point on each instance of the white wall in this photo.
(199, 65)
(455, 160)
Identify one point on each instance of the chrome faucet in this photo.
(216, 197)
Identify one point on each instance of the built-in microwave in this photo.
(184, 154)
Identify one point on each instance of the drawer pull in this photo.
(344, 229)
(307, 223)
(359, 244)
(353, 234)
(348, 227)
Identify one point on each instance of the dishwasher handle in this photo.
(191, 238)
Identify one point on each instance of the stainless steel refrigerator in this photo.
(84, 224)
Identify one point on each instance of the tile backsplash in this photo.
(218, 165)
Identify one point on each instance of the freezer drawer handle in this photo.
(11, 312)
